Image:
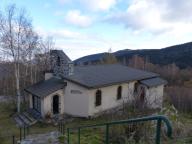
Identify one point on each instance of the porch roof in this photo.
(44, 88)
(152, 82)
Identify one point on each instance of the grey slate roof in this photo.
(154, 82)
(95, 76)
(46, 87)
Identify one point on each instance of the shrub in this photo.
(180, 97)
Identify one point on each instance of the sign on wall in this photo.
(76, 92)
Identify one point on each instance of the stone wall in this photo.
(60, 63)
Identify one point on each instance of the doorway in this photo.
(55, 104)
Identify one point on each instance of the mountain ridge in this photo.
(180, 54)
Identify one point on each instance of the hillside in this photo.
(181, 55)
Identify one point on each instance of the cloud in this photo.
(177, 10)
(60, 33)
(99, 5)
(155, 16)
(70, 35)
(148, 24)
(76, 44)
(74, 17)
(93, 5)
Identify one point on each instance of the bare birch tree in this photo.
(47, 45)
(16, 40)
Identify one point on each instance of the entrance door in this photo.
(55, 104)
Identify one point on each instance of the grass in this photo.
(88, 136)
(8, 126)
(97, 136)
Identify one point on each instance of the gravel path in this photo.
(47, 138)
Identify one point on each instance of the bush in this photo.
(180, 97)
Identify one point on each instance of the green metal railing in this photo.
(159, 119)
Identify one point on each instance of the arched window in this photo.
(98, 98)
(119, 92)
(142, 95)
(136, 87)
(58, 61)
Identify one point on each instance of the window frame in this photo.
(142, 96)
(119, 92)
(98, 98)
(136, 86)
(36, 103)
(58, 61)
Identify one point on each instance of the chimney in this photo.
(70, 68)
(48, 75)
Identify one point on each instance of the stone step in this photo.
(46, 138)
(30, 118)
(24, 119)
(18, 121)
(36, 115)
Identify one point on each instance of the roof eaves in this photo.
(44, 95)
(114, 83)
(32, 93)
(163, 82)
(105, 85)
(65, 78)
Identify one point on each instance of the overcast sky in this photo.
(82, 27)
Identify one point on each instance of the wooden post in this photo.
(20, 133)
(13, 139)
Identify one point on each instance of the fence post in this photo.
(107, 134)
(62, 127)
(13, 139)
(79, 133)
(20, 133)
(158, 132)
(59, 126)
(24, 132)
(68, 135)
(28, 130)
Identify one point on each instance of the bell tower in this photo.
(61, 63)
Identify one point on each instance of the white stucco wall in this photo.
(154, 96)
(109, 97)
(76, 100)
(46, 103)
